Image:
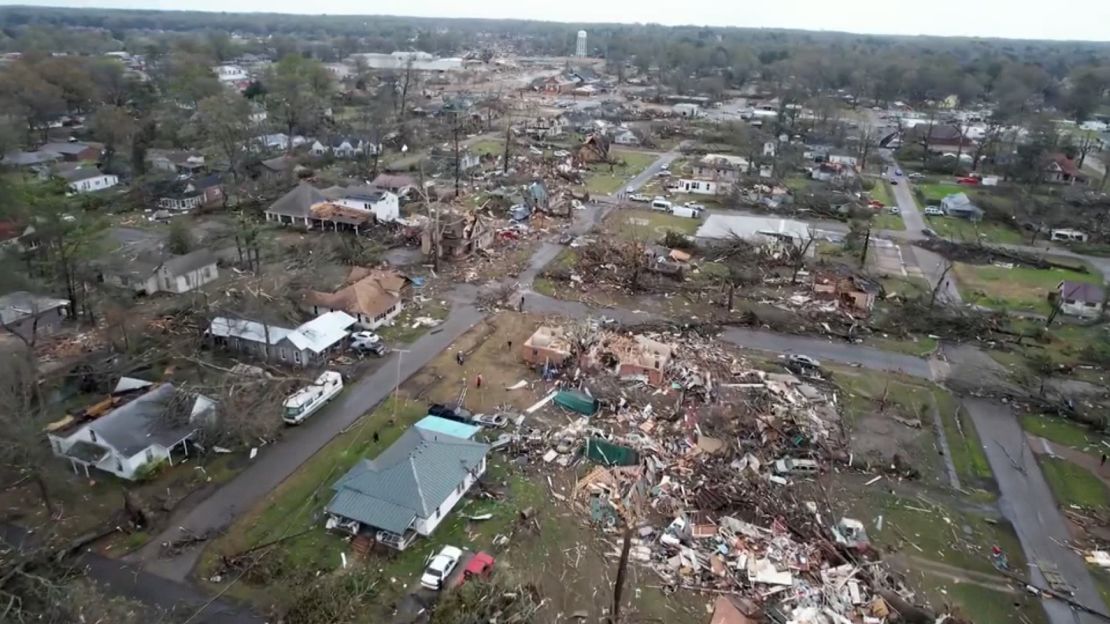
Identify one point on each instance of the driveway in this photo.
(1027, 502)
(281, 459)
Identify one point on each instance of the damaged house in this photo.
(458, 235)
(140, 425)
(854, 294)
(547, 345)
(372, 296)
(594, 149)
(630, 357)
(307, 345)
(146, 274)
(335, 208)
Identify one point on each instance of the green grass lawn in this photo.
(1019, 288)
(964, 230)
(796, 183)
(605, 179)
(650, 225)
(488, 146)
(882, 192)
(963, 441)
(1064, 432)
(909, 286)
(936, 191)
(1074, 485)
(883, 220)
(921, 346)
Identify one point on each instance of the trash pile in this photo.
(695, 454)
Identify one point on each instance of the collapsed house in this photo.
(456, 234)
(630, 357)
(853, 293)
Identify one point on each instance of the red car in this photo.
(876, 204)
(479, 566)
(969, 181)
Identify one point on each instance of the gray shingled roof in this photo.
(1080, 291)
(146, 420)
(180, 265)
(409, 479)
(296, 203)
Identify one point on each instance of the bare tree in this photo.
(942, 282)
(23, 447)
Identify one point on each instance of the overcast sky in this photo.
(1025, 19)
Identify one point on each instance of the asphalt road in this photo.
(930, 264)
(154, 592)
(281, 459)
(1027, 502)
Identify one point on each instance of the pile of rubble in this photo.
(694, 455)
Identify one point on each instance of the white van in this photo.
(688, 211)
(306, 401)
(660, 204)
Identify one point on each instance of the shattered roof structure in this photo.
(371, 293)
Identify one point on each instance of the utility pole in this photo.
(866, 244)
(458, 167)
(397, 387)
(508, 136)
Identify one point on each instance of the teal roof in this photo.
(436, 424)
(410, 479)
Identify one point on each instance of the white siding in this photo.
(425, 526)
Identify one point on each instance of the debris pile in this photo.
(701, 458)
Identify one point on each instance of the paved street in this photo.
(157, 593)
(281, 459)
(1027, 502)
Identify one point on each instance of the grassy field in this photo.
(909, 286)
(1019, 288)
(883, 220)
(963, 442)
(1065, 433)
(1074, 485)
(649, 225)
(936, 191)
(882, 192)
(402, 331)
(488, 146)
(921, 346)
(605, 179)
(796, 183)
(964, 230)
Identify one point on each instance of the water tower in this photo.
(580, 48)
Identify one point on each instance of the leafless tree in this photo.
(941, 282)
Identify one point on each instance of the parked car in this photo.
(969, 180)
(377, 349)
(663, 174)
(364, 338)
(480, 566)
(457, 414)
(639, 198)
(491, 420)
(897, 172)
(895, 210)
(894, 181)
(440, 567)
(788, 465)
(916, 176)
(875, 204)
(929, 233)
(933, 211)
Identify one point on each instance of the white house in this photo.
(684, 109)
(231, 73)
(146, 425)
(88, 179)
(703, 187)
(408, 489)
(624, 136)
(177, 274)
(385, 206)
(307, 345)
(769, 149)
(1080, 299)
(342, 147)
(757, 230)
(847, 160)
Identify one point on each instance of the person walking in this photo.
(459, 357)
(520, 308)
(478, 381)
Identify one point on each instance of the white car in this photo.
(440, 567)
(789, 465)
(895, 210)
(639, 198)
(803, 360)
(490, 420)
(365, 339)
(933, 211)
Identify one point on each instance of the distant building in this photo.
(173, 274)
(580, 44)
(419, 61)
(86, 179)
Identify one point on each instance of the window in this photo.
(436, 513)
(297, 357)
